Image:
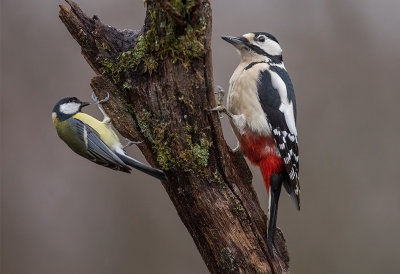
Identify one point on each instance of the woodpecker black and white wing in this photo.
(276, 94)
(288, 148)
(97, 150)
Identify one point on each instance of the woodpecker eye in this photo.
(261, 39)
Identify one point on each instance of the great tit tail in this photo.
(156, 173)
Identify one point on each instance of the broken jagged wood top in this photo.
(161, 86)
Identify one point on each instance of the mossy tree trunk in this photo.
(161, 86)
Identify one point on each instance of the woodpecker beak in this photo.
(236, 41)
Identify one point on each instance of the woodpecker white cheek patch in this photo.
(272, 47)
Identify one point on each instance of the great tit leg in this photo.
(98, 102)
(129, 143)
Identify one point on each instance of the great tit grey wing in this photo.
(97, 150)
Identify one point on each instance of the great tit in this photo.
(93, 139)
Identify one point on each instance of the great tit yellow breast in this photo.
(103, 130)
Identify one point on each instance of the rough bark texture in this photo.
(161, 86)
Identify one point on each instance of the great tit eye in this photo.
(261, 39)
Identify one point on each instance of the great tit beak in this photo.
(236, 41)
(84, 104)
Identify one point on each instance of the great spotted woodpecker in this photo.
(262, 109)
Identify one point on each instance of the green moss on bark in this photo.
(194, 155)
(163, 39)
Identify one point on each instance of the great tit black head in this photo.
(67, 107)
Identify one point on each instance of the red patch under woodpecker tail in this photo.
(270, 164)
(260, 152)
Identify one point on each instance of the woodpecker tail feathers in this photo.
(292, 193)
(274, 192)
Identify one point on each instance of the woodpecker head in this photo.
(257, 44)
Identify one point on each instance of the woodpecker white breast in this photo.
(262, 94)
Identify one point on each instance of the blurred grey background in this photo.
(63, 214)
